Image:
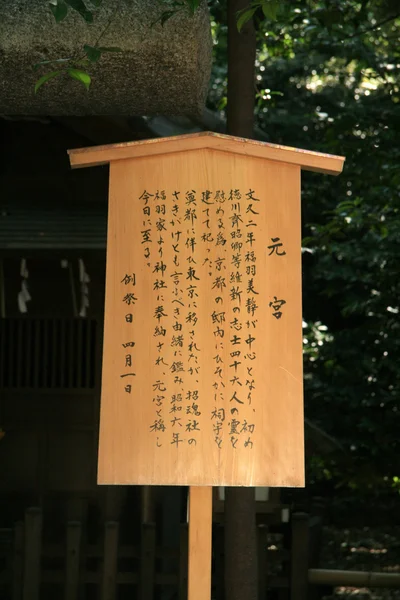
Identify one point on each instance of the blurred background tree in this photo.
(327, 79)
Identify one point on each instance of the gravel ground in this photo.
(366, 549)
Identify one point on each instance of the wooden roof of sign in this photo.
(306, 159)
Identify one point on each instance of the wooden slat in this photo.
(32, 554)
(147, 562)
(71, 356)
(88, 353)
(147, 502)
(280, 556)
(45, 355)
(200, 526)
(28, 367)
(10, 353)
(128, 578)
(79, 350)
(183, 562)
(218, 553)
(166, 579)
(19, 354)
(3, 333)
(262, 561)
(74, 531)
(299, 564)
(306, 159)
(281, 583)
(37, 352)
(360, 579)
(18, 561)
(54, 353)
(110, 564)
(62, 341)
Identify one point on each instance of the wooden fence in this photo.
(31, 569)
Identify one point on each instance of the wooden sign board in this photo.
(202, 359)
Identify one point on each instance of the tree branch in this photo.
(369, 29)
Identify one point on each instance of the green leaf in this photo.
(45, 79)
(270, 9)
(96, 3)
(81, 8)
(193, 5)
(59, 10)
(245, 16)
(80, 76)
(92, 53)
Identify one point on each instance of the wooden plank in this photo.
(200, 533)
(358, 579)
(21, 349)
(218, 552)
(32, 554)
(110, 564)
(215, 317)
(62, 343)
(147, 562)
(4, 326)
(262, 532)
(315, 545)
(306, 159)
(147, 504)
(72, 563)
(18, 561)
(37, 351)
(44, 359)
(79, 350)
(89, 351)
(54, 352)
(29, 326)
(11, 339)
(299, 563)
(183, 562)
(71, 354)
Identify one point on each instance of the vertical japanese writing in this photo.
(146, 232)
(199, 252)
(192, 399)
(276, 248)
(153, 233)
(177, 341)
(218, 274)
(129, 299)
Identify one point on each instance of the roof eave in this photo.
(312, 161)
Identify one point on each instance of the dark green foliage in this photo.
(81, 8)
(74, 66)
(86, 8)
(59, 10)
(269, 8)
(328, 80)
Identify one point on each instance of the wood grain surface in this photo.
(202, 361)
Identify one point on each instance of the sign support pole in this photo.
(199, 554)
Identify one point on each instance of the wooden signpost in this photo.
(202, 360)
